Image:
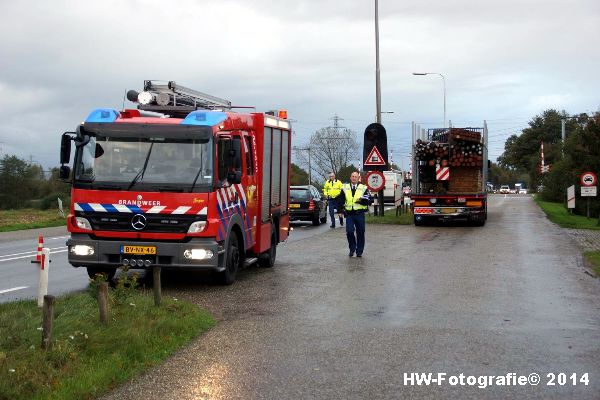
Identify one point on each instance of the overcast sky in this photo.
(503, 61)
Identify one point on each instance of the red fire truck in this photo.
(181, 182)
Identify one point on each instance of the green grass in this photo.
(29, 218)
(593, 260)
(390, 218)
(557, 213)
(87, 358)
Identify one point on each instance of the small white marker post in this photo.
(44, 266)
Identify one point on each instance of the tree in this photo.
(298, 176)
(331, 149)
(522, 153)
(345, 172)
(19, 182)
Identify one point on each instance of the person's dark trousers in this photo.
(355, 232)
(332, 206)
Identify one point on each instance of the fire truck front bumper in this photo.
(197, 254)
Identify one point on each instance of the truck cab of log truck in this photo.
(182, 182)
(450, 175)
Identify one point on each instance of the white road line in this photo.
(32, 255)
(34, 252)
(13, 289)
(58, 237)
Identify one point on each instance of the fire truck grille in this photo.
(154, 222)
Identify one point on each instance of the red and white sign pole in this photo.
(43, 286)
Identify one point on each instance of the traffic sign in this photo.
(588, 179)
(375, 181)
(374, 158)
(375, 137)
(571, 196)
(588, 191)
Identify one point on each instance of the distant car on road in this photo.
(307, 204)
(522, 191)
(505, 189)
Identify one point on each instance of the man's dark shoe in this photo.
(332, 226)
(350, 254)
(359, 255)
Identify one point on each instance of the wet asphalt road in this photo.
(509, 297)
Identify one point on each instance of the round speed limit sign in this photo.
(375, 181)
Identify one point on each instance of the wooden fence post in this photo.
(103, 302)
(47, 320)
(156, 286)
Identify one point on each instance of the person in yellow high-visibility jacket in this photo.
(331, 190)
(356, 198)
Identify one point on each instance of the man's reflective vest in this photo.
(332, 190)
(351, 203)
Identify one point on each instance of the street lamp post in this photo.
(444, 81)
(377, 81)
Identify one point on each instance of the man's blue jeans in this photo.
(332, 207)
(355, 225)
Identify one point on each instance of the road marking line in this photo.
(58, 237)
(13, 289)
(31, 255)
(34, 252)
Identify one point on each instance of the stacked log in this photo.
(466, 154)
(426, 151)
(459, 134)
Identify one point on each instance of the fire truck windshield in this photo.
(150, 163)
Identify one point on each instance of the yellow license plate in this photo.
(294, 205)
(448, 210)
(143, 250)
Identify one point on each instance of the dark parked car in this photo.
(307, 204)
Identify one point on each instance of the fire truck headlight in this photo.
(83, 223)
(197, 254)
(81, 250)
(197, 227)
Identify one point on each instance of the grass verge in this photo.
(389, 217)
(29, 218)
(87, 358)
(557, 213)
(593, 260)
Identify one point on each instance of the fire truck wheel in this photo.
(267, 259)
(232, 261)
(109, 273)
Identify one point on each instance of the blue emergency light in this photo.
(204, 118)
(103, 115)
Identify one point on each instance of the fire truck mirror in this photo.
(235, 151)
(64, 172)
(65, 148)
(234, 177)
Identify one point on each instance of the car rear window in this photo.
(299, 195)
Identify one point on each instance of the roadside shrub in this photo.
(50, 201)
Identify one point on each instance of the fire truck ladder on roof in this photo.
(174, 99)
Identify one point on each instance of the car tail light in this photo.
(311, 205)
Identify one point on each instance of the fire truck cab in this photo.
(181, 182)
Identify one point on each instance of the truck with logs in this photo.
(450, 174)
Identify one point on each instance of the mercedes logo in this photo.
(138, 222)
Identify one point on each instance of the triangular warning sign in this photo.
(374, 158)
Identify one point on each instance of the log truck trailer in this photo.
(182, 182)
(450, 174)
